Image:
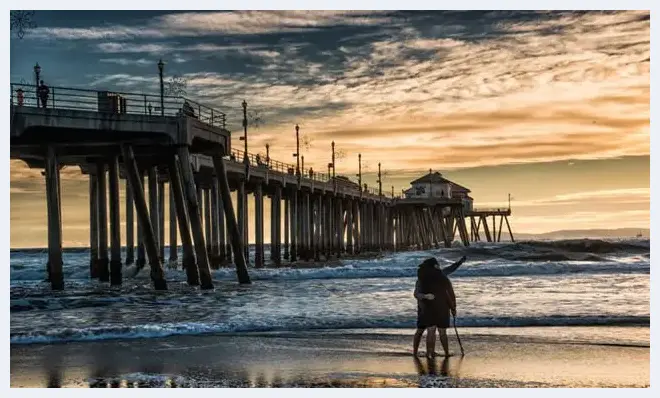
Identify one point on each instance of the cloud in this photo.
(196, 24)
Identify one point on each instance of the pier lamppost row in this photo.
(161, 65)
(37, 72)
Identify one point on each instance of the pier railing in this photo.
(114, 102)
(257, 160)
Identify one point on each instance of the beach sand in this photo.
(495, 357)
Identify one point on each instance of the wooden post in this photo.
(173, 168)
(195, 216)
(259, 225)
(103, 264)
(294, 226)
(55, 274)
(215, 229)
(499, 233)
(278, 225)
(509, 227)
(152, 174)
(130, 227)
(173, 227)
(286, 227)
(161, 220)
(242, 219)
(486, 229)
(237, 243)
(206, 195)
(115, 220)
(157, 274)
(93, 227)
(141, 254)
(222, 242)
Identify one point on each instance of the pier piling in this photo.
(115, 220)
(55, 274)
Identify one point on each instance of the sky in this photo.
(551, 107)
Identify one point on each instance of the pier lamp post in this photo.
(244, 138)
(161, 65)
(334, 167)
(297, 154)
(380, 182)
(509, 201)
(392, 191)
(359, 174)
(37, 72)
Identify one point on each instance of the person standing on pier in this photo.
(435, 299)
(43, 92)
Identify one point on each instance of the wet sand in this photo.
(495, 357)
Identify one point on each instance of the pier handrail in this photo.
(255, 160)
(490, 209)
(114, 101)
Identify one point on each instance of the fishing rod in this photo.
(457, 337)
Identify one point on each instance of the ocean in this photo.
(525, 284)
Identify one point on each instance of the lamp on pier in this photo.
(359, 174)
(297, 154)
(246, 160)
(380, 182)
(161, 65)
(37, 72)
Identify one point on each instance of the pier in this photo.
(165, 141)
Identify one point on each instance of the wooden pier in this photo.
(313, 217)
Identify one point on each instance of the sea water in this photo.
(549, 283)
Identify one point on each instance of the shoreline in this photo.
(517, 357)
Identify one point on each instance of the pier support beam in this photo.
(192, 274)
(93, 227)
(259, 225)
(173, 235)
(278, 225)
(141, 252)
(152, 175)
(115, 219)
(55, 274)
(130, 227)
(237, 243)
(286, 227)
(215, 230)
(161, 220)
(208, 228)
(294, 226)
(157, 274)
(242, 219)
(103, 264)
(195, 215)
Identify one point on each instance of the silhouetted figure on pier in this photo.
(435, 299)
(43, 92)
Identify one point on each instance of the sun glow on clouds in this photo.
(409, 90)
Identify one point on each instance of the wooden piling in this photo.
(152, 176)
(157, 274)
(509, 227)
(103, 264)
(242, 219)
(141, 252)
(161, 220)
(173, 227)
(93, 227)
(259, 225)
(294, 227)
(237, 243)
(115, 220)
(287, 212)
(195, 217)
(206, 196)
(55, 273)
(130, 227)
(215, 228)
(182, 213)
(278, 225)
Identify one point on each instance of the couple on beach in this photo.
(435, 299)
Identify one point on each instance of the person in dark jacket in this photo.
(43, 92)
(435, 300)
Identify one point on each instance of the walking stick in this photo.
(459, 339)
